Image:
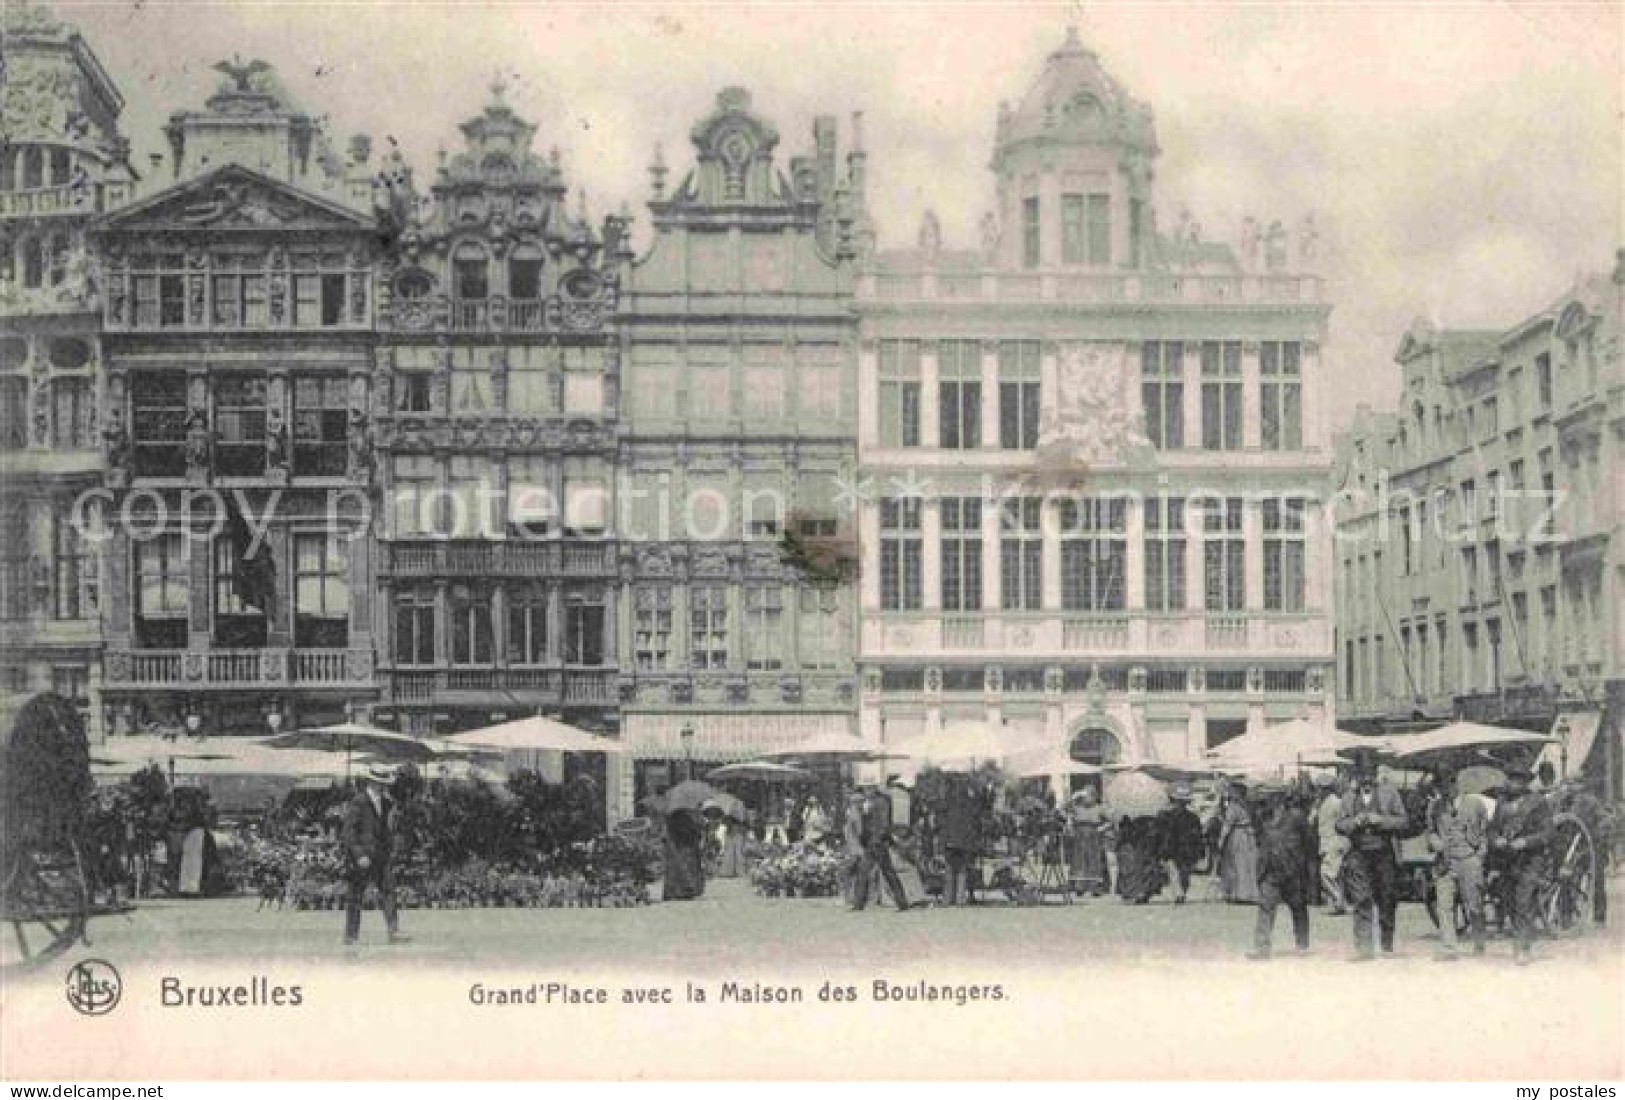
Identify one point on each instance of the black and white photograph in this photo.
(881, 541)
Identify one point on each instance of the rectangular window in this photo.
(239, 425)
(1019, 389)
(471, 640)
(13, 412)
(1280, 389)
(161, 592)
(900, 555)
(1072, 230)
(73, 411)
(1221, 395)
(1284, 554)
(708, 626)
(1030, 251)
(961, 548)
(1093, 553)
(583, 631)
(1224, 555)
(524, 278)
(959, 392)
(899, 405)
(413, 390)
(819, 628)
(1021, 554)
(158, 413)
(75, 586)
(321, 415)
(651, 628)
(1164, 553)
(470, 498)
(586, 495)
(526, 643)
(1543, 379)
(239, 622)
(1099, 209)
(321, 591)
(414, 628)
(413, 492)
(1162, 392)
(764, 628)
(171, 300)
(318, 300)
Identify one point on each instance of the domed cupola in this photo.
(1076, 101)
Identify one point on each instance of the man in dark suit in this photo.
(961, 826)
(1285, 870)
(368, 841)
(1520, 834)
(1373, 817)
(877, 823)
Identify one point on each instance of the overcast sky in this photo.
(1464, 159)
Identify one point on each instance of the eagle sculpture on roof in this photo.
(242, 73)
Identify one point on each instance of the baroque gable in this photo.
(233, 198)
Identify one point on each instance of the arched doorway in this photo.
(1094, 743)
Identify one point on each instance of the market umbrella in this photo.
(1458, 736)
(1479, 779)
(538, 734)
(966, 745)
(1300, 741)
(728, 804)
(1029, 766)
(353, 737)
(761, 770)
(1135, 794)
(690, 794)
(832, 746)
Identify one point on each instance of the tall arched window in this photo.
(60, 165)
(470, 277)
(59, 258)
(33, 262)
(8, 169)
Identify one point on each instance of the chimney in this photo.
(857, 161)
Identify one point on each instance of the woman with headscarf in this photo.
(1086, 844)
(1238, 848)
(685, 839)
(1139, 864)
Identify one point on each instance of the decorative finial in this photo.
(499, 85)
(657, 173)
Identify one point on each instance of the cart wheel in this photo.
(1568, 901)
(46, 900)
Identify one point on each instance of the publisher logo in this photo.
(94, 987)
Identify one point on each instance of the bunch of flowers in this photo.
(800, 870)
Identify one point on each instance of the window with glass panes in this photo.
(959, 394)
(415, 481)
(158, 290)
(1073, 250)
(1162, 392)
(1224, 554)
(1093, 553)
(470, 275)
(526, 640)
(13, 412)
(471, 497)
(73, 410)
(708, 626)
(819, 629)
(158, 411)
(238, 624)
(238, 291)
(239, 425)
(899, 405)
(414, 628)
(584, 617)
(764, 627)
(1019, 389)
(318, 299)
(321, 415)
(1221, 395)
(1284, 553)
(1280, 391)
(1021, 554)
(961, 553)
(651, 628)
(900, 555)
(161, 588)
(469, 614)
(1164, 553)
(321, 590)
(74, 578)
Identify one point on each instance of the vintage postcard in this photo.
(848, 541)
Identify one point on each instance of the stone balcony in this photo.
(494, 558)
(549, 686)
(196, 669)
(1008, 635)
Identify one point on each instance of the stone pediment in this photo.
(235, 198)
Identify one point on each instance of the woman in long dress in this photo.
(1238, 849)
(685, 874)
(1086, 845)
(1139, 870)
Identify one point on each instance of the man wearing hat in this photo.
(367, 838)
(877, 840)
(1373, 818)
(1179, 831)
(1458, 832)
(1519, 835)
(1284, 846)
(1331, 846)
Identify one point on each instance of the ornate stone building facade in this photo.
(1481, 568)
(63, 161)
(738, 336)
(237, 320)
(1093, 453)
(497, 399)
